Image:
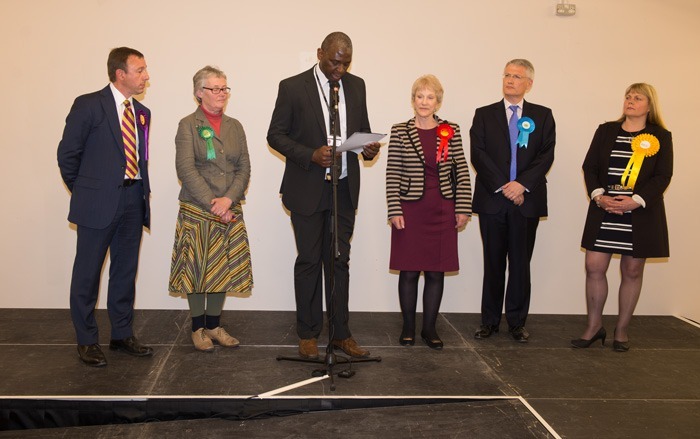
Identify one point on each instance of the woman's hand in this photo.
(228, 217)
(219, 206)
(397, 222)
(461, 220)
(618, 204)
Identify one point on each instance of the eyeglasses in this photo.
(515, 77)
(218, 90)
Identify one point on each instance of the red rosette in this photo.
(445, 132)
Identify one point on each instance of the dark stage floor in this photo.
(493, 388)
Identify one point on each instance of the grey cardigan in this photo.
(202, 180)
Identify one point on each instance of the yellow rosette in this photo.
(643, 145)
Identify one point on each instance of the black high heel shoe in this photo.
(620, 346)
(406, 340)
(433, 343)
(584, 343)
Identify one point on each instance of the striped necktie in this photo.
(129, 136)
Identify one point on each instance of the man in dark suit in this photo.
(299, 130)
(103, 159)
(512, 149)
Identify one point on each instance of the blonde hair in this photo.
(654, 115)
(428, 82)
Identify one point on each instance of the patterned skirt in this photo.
(208, 255)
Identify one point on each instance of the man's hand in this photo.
(322, 156)
(370, 150)
(513, 189)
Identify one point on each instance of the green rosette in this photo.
(207, 134)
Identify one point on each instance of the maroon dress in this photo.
(429, 240)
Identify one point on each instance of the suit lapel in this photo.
(226, 126)
(202, 121)
(527, 112)
(499, 113)
(414, 139)
(110, 108)
(609, 144)
(351, 111)
(143, 144)
(311, 86)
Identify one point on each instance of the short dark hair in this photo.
(336, 39)
(117, 60)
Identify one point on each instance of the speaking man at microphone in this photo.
(301, 131)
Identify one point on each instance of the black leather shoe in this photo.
(432, 342)
(92, 355)
(131, 346)
(485, 331)
(520, 334)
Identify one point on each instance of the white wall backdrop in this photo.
(52, 51)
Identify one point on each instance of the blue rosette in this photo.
(525, 126)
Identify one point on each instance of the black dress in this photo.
(615, 234)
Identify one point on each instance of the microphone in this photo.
(334, 86)
(335, 128)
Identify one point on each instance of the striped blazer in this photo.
(405, 170)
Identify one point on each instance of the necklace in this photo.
(634, 134)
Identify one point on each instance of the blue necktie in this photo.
(513, 129)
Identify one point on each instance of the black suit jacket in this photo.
(92, 161)
(490, 155)
(298, 128)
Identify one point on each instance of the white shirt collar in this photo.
(322, 78)
(119, 98)
(508, 104)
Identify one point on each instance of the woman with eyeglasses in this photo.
(627, 169)
(211, 254)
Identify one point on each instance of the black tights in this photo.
(432, 296)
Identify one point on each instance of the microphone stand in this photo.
(331, 359)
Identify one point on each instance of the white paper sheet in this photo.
(358, 140)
